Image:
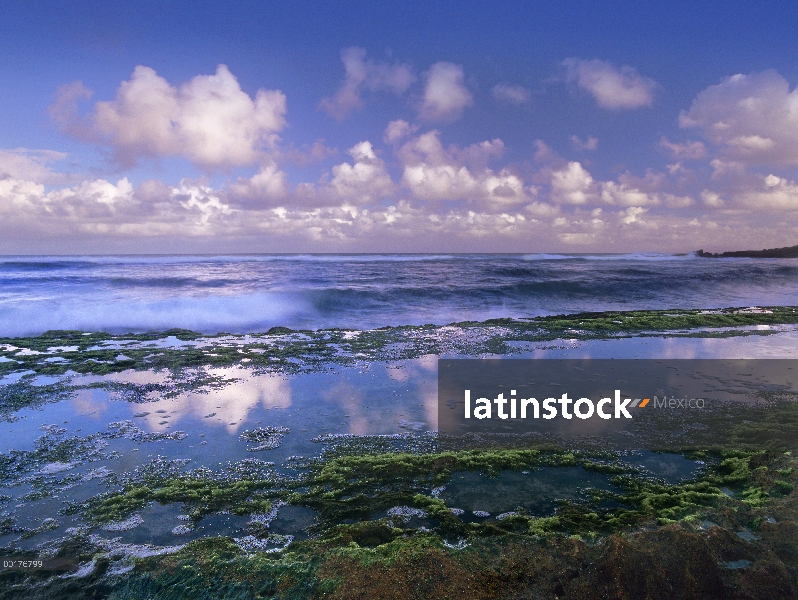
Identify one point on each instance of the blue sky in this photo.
(351, 127)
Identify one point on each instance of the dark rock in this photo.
(786, 252)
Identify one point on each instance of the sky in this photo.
(523, 126)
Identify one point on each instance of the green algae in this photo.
(772, 427)
(357, 488)
(22, 394)
(237, 489)
(216, 568)
(343, 552)
(200, 497)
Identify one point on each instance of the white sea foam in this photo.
(207, 314)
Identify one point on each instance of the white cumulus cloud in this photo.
(572, 184)
(398, 130)
(712, 199)
(632, 214)
(434, 173)
(771, 192)
(626, 195)
(750, 118)
(364, 181)
(267, 186)
(445, 94)
(210, 120)
(612, 87)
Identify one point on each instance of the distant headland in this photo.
(786, 252)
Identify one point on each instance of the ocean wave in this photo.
(209, 314)
(252, 293)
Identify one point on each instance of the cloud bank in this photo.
(411, 190)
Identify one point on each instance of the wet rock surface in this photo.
(163, 498)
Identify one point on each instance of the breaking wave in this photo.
(244, 293)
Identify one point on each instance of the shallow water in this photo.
(536, 492)
(763, 341)
(369, 399)
(672, 468)
(160, 522)
(381, 399)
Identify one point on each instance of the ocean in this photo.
(252, 293)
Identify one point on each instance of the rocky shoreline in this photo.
(384, 516)
(786, 252)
